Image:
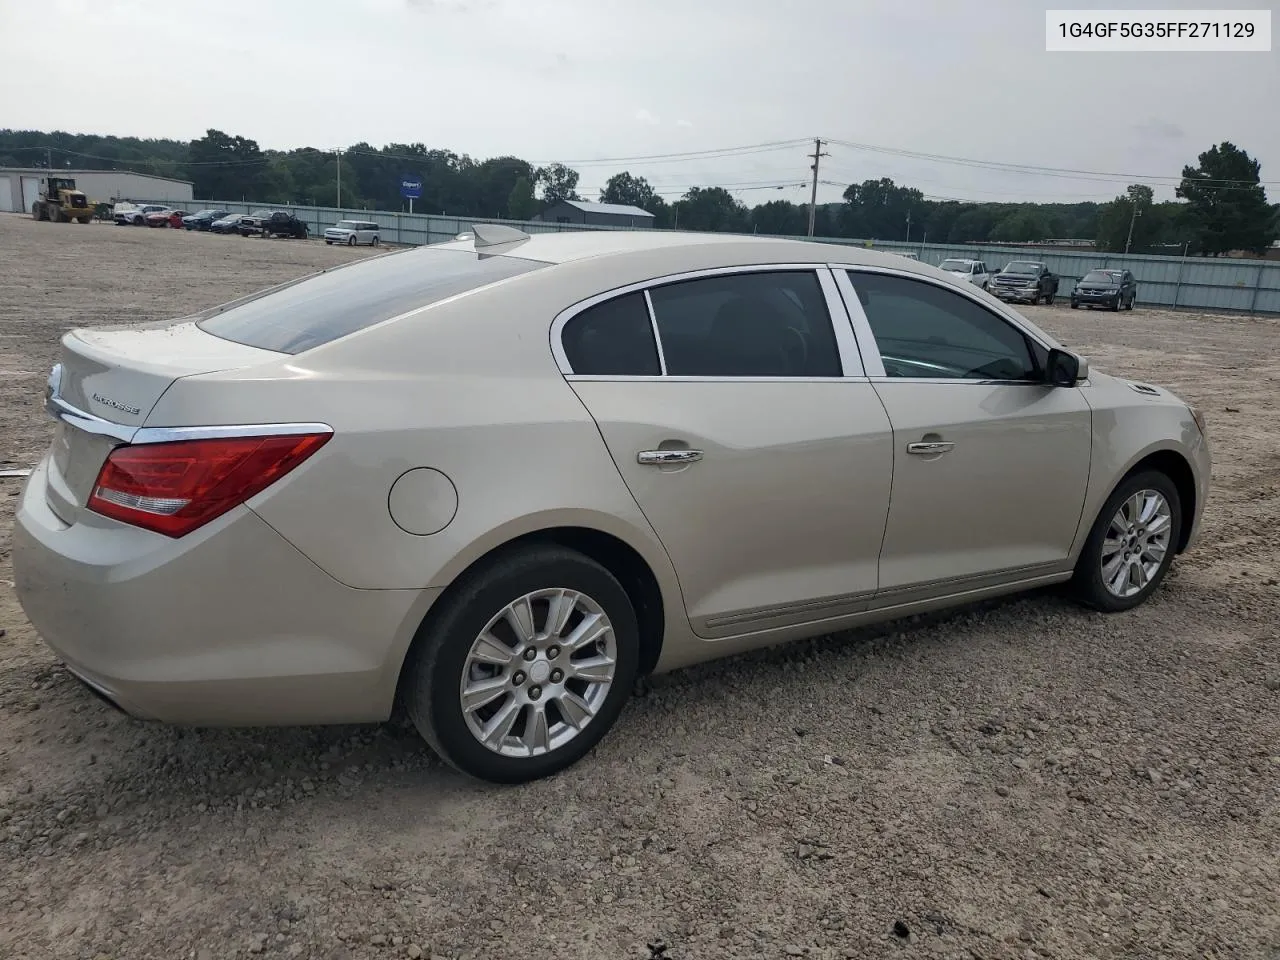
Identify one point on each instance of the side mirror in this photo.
(1065, 369)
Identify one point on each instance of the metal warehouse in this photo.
(596, 214)
(20, 186)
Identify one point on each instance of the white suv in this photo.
(352, 232)
(975, 271)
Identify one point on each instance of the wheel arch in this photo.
(635, 574)
(1178, 469)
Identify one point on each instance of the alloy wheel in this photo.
(1136, 543)
(538, 673)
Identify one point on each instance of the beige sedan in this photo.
(500, 478)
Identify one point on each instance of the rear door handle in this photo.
(926, 448)
(663, 457)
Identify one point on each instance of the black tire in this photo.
(374, 241)
(1086, 585)
(1049, 298)
(351, 240)
(328, 243)
(430, 685)
(1075, 305)
(1116, 306)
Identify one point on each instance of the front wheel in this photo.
(374, 241)
(351, 241)
(525, 667)
(1049, 298)
(1131, 545)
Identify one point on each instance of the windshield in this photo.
(1021, 266)
(1102, 276)
(330, 305)
(955, 266)
(260, 213)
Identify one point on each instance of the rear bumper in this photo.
(229, 626)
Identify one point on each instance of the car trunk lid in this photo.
(107, 382)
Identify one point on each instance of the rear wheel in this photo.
(525, 667)
(1131, 545)
(374, 241)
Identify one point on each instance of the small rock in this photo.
(1272, 683)
(1002, 791)
(1154, 775)
(794, 951)
(414, 952)
(378, 940)
(1021, 763)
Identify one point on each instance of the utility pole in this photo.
(339, 153)
(813, 192)
(908, 225)
(1132, 218)
(48, 161)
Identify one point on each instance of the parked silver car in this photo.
(353, 232)
(500, 478)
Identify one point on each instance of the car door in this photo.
(990, 464)
(736, 410)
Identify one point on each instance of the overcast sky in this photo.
(587, 80)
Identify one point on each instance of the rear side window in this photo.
(768, 324)
(614, 338)
(331, 305)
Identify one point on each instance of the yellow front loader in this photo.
(60, 202)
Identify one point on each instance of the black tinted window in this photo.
(926, 331)
(333, 304)
(612, 338)
(747, 325)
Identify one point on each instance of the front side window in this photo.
(924, 331)
(766, 324)
(614, 338)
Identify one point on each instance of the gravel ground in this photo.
(1018, 780)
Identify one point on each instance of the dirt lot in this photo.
(1025, 780)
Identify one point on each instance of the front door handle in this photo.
(930, 447)
(661, 458)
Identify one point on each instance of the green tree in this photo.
(781, 218)
(631, 191)
(1227, 206)
(713, 209)
(1135, 210)
(223, 167)
(558, 183)
(878, 210)
(521, 203)
(1021, 226)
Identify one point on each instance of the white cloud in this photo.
(644, 116)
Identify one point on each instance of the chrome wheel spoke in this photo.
(537, 736)
(574, 709)
(1119, 581)
(1110, 547)
(595, 669)
(519, 617)
(591, 629)
(489, 649)
(1160, 525)
(499, 727)
(559, 610)
(1112, 566)
(481, 693)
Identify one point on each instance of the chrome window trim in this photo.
(657, 338)
(846, 345)
(862, 326)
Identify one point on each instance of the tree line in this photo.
(1222, 204)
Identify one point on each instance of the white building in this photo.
(20, 186)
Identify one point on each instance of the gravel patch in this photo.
(1021, 779)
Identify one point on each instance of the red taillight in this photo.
(173, 488)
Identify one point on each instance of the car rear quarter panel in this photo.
(468, 387)
(1128, 427)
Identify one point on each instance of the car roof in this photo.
(671, 248)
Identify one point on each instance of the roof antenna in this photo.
(496, 234)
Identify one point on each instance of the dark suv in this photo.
(275, 224)
(1116, 289)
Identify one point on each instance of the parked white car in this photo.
(353, 232)
(974, 271)
(134, 215)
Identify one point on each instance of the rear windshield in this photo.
(1102, 276)
(323, 308)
